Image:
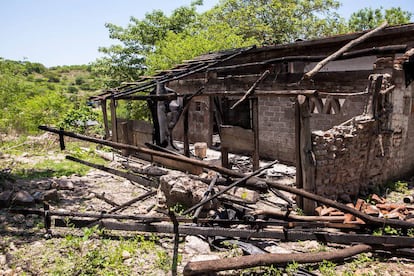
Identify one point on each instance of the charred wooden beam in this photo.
(163, 97)
(107, 200)
(105, 118)
(134, 178)
(132, 201)
(252, 88)
(305, 153)
(286, 215)
(241, 262)
(258, 92)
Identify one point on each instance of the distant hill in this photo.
(32, 94)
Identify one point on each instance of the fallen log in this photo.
(345, 48)
(281, 214)
(197, 268)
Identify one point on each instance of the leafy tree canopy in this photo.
(369, 18)
(159, 41)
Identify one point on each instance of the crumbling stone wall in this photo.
(351, 159)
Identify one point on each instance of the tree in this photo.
(127, 61)
(276, 21)
(369, 18)
(177, 47)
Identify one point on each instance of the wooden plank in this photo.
(237, 139)
(174, 164)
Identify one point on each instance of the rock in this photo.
(51, 195)
(29, 223)
(3, 260)
(66, 185)
(5, 199)
(19, 218)
(241, 194)
(195, 245)
(177, 187)
(277, 249)
(23, 198)
(209, 257)
(126, 255)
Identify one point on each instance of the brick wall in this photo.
(358, 157)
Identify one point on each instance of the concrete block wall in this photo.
(277, 128)
(277, 124)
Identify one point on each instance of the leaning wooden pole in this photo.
(204, 267)
(345, 48)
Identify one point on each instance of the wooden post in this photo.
(105, 118)
(225, 157)
(306, 155)
(114, 121)
(299, 179)
(255, 127)
(185, 138)
(123, 137)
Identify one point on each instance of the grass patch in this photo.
(32, 158)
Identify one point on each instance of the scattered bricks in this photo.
(372, 210)
(336, 213)
(359, 203)
(349, 218)
(390, 206)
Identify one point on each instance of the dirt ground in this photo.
(26, 250)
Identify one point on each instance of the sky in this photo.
(67, 32)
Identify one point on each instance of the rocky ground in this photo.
(26, 250)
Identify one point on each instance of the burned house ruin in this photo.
(348, 127)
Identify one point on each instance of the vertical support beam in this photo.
(61, 139)
(306, 154)
(255, 126)
(224, 157)
(114, 120)
(299, 178)
(185, 127)
(105, 118)
(123, 137)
